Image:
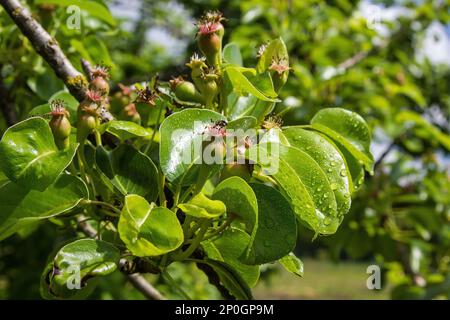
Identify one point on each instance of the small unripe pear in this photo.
(210, 34)
(60, 125)
(186, 91)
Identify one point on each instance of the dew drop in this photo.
(343, 173)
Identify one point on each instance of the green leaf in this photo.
(419, 122)
(92, 49)
(125, 130)
(148, 230)
(229, 278)
(181, 136)
(292, 264)
(29, 156)
(243, 123)
(20, 207)
(232, 54)
(95, 9)
(276, 234)
(327, 156)
(129, 170)
(347, 128)
(202, 207)
(3, 178)
(304, 183)
(240, 106)
(71, 105)
(87, 257)
(263, 82)
(240, 200)
(228, 248)
(242, 85)
(276, 49)
(45, 84)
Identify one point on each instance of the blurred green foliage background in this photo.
(387, 60)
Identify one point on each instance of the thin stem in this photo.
(162, 196)
(155, 129)
(104, 204)
(195, 243)
(176, 196)
(171, 282)
(186, 194)
(98, 138)
(263, 178)
(80, 157)
(186, 226)
(219, 230)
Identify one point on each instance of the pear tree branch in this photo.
(47, 47)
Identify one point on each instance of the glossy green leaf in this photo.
(181, 136)
(126, 129)
(243, 123)
(201, 206)
(29, 156)
(232, 54)
(148, 230)
(354, 167)
(242, 85)
(240, 106)
(347, 128)
(86, 258)
(276, 49)
(95, 9)
(20, 207)
(292, 264)
(276, 234)
(129, 170)
(228, 248)
(240, 200)
(263, 82)
(328, 158)
(230, 279)
(304, 182)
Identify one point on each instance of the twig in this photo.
(47, 47)
(87, 68)
(143, 286)
(385, 153)
(137, 280)
(358, 57)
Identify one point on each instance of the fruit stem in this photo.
(195, 242)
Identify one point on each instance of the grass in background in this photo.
(323, 279)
